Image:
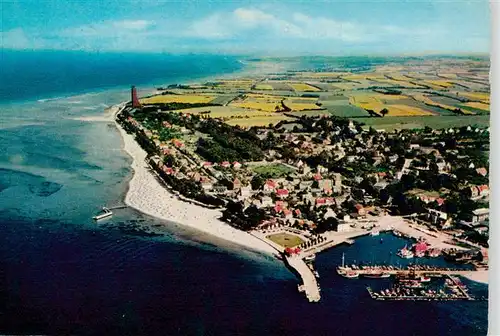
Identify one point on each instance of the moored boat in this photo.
(350, 274)
(105, 213)
(378, 275)
(405, 253)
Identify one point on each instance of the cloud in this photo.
(240, 30)
(109, 28)
(250, 22)
(136, 25)
(240, 22)
(15, 39)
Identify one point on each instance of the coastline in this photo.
(145, 191)
(478, 276)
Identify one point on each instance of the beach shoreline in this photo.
(146, 194)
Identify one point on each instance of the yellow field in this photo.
(482, 96)
(303, 87)
(300, 106)
(263, 87)
(228, 112)
(343, 86)
(236, 84)
(258, 121)
(395, 82)
(481, 106)
(451, 75)
(268, 103)
(377, 102)
(405, 110)
(355, 77)
(306, 99)
(320, 74)
(192, 99)
(398, 77)
(258, 105)
(266, 97)
(439, 82)
(367, 98)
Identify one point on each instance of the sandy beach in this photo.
(147, 195)
(478, 276)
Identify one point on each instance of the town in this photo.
(306, 184)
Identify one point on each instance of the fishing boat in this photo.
(405, 253)
(433, 253)
(105, 213)
(413, 284)
(425, 278)
(350, 274)
(377, 275)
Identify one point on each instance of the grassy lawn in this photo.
(274, 170)
(285, 239)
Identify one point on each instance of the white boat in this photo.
(310, 257)
(405, 253)
(105, 213)
(374, 233)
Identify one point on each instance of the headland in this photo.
(271, 163)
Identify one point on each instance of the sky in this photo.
(335, 27)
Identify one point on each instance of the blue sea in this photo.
(61, 273)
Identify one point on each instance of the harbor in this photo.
(394, 270)
(416, 288)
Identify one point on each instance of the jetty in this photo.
(362, 270)
(310, 284)
(453, 290)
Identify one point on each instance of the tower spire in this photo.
(135, 100)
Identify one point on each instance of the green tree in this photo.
(257, 182)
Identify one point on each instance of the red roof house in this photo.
(270, 185)
(320, 201)
(482, 171)
(282, 192)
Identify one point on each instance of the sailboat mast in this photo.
(343, 258)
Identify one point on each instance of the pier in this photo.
(454, 290)
(406, 271)
(310, 285)
(118, 207)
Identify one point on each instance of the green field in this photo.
(343, 109)
(392, 123)
(285, 239)
(274, 170)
